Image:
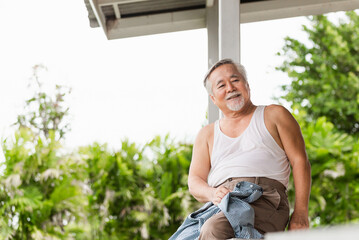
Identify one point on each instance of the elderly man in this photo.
(249, 143)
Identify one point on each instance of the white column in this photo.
(223, 26)
(229, 29)
(212, 31)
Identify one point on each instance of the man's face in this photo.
(230, 90)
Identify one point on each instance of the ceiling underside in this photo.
(128, 18)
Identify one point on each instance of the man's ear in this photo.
(248, 87)
(213, 99)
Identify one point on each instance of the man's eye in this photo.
(236, 80)
(220, 86)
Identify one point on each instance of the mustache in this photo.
(233, 94)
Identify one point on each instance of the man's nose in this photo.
(230, 87)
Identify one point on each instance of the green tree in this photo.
(41, 195)
(324, 97)
(169, 176)
(325, 71)
(334, 157)
(45, 112)
(138, 192)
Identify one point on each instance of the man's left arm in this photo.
(294, 146)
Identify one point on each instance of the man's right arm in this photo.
(199, 170)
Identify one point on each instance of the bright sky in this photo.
(135, 87)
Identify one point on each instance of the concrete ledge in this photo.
(325, 233)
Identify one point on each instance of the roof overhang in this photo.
(130, 18)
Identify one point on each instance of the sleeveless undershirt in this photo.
(253, 154)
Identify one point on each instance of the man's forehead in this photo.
(226, 70)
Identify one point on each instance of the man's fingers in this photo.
(298, 222)
(222, 191)
(219, 194)
(295, 226)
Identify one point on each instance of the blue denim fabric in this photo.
(234, 206)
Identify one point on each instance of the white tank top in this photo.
(253, 154)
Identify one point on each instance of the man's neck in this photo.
(235, 116)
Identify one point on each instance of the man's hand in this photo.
(218, 194)
(298, 221)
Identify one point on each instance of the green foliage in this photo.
(138, 193)
(40, 193)
(334, 157)
(93, 193)
(169, 180)
(324, 94)
(325, 72)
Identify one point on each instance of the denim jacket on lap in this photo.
(235, 206)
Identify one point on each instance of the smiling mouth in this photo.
(233, 96)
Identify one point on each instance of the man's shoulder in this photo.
(278, 114)
(206, 133)
(275, 111)
(275, 107)
(207, 130)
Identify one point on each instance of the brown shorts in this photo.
(271, 210)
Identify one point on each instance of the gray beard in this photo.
(236, 106)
